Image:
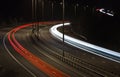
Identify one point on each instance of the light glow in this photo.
(102, 10)
(100, 51)
(36, 61)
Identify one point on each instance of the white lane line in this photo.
(16, 59)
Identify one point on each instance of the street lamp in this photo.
(33, 15)
(63, 15)
(75, 7)
(42, 9)
(35, 28)
(52, 9)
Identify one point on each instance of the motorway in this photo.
(8, 66)
(41, 55)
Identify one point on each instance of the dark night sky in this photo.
(14, 8)
(9, 7)
(22, 8)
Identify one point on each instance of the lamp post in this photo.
(37, 17)
(32, 10)
(63, 15)
(75, 7)
(42, 9)
(33, 14)
(52, 9)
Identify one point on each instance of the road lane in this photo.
(32, 58)
(97, 61)
(51, 44)
(97, 50)
(16, 59)
(9, 66)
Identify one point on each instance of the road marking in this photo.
(40, 64)
(16, 59)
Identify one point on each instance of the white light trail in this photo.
(103, 11)
(100, 51)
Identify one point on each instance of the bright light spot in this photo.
(108, 12)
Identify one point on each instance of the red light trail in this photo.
(40, 64)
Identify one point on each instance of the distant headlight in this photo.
(108, 12)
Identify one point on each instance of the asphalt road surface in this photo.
(42, 47)
(8, 66)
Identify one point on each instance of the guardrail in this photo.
(76, 62)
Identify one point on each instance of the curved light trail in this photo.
(40, 64)
(16, 59)
(103, 52)
(102, 10)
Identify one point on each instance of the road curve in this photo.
(103, 52)
(48, 46)
(40, 64)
